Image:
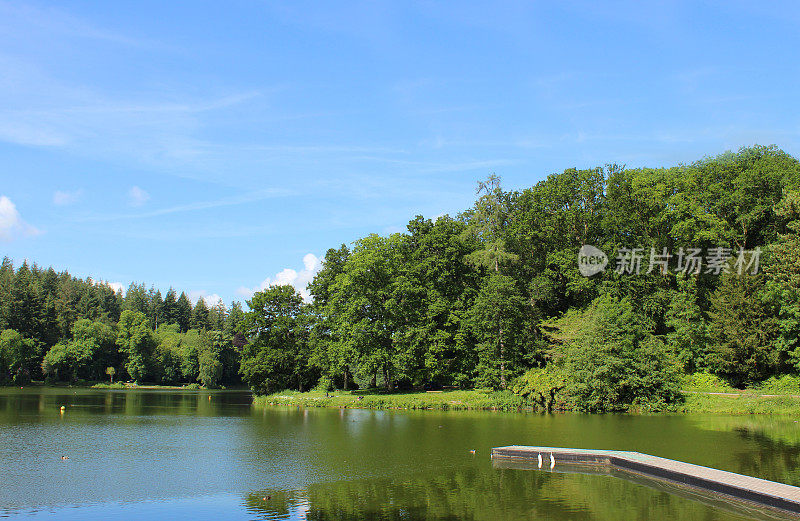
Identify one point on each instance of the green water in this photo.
(179, 455)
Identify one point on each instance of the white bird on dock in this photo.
(552, 461)
(540, 461)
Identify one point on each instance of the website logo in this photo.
(591, 260)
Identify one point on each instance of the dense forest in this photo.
(60, 328)
(703, 276)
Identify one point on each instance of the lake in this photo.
(211, 455)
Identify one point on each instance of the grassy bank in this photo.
(119, 385)
(741, 402)
(480, 399)
(116, 385)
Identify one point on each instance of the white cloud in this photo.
(299, 279)
(116, 286)
(64, 198)
(211, 300)
(11, 222)
(137, 196)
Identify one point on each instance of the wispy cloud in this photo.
(23, 19)
(66, 197)
(137, 196)
(288, 276)
(12, 224)
(251, 197)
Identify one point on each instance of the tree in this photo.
(542, 385)
(183, 315)
(137, 298)
(191, 345)
(137, 342)
(743, 331)
(612, 360)
(16, 354)
(169, 354)
(217, 315)
(171, 307)
(487, 223)
(325, 346)
(23, 306)
(782, 272)
(365, 300)
(200, 318)
(99, 341)
(64, 360)
(444, 289)
(210, 358)
(276, 356)
(156, 309)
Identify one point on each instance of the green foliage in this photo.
(16, 354)
(542, 385)
(200, 316)
(743, 331)
(783, 272)
(277, 356)
(210, 356)
(325, 384)
(784, 384)
(64, 360)
(613, 360)
(138, 342)
(704, 382)
(497, 320)
(50, 309)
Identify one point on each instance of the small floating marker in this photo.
(540, 461)
(63, 409)
(472, 451)
(209, 397)
(552, 461)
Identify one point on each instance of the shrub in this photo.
(785, 384)
(706, 383)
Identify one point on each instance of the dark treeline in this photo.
(494, 297)
(61, 328)
(490, 298)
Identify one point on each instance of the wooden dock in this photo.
(746, 488)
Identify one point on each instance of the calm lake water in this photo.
(180, 455)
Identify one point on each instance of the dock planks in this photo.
(747, 488)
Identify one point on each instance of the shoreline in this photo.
(696, 402)
(121, 387)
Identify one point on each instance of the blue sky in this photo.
(220, 146)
